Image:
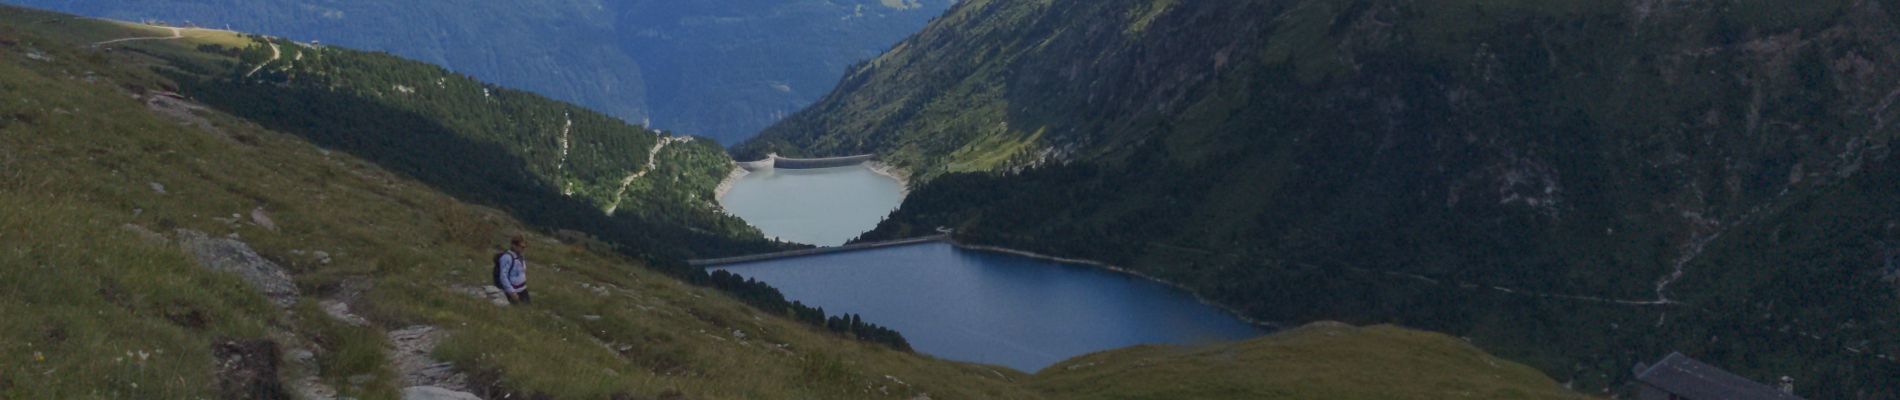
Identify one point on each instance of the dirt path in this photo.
(652, 162)
(414, 365)
(274, 55)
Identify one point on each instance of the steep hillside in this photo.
(721, 69)
(158, 247)
(117, 193)
(553, 163)
(1577, 185)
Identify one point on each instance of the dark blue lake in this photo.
(993, 308)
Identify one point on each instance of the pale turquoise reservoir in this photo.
(825, 206)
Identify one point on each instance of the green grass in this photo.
(78, 160)
(94, 312)
(1142, 17)
(1319, 361)
(991, 151)
(349, 351)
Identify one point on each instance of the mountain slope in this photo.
(1317, 361)
(105, 178)
(335, 274)
(720, 69)
(554, 163)
(1580, 186)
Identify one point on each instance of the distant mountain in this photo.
(721, 69)
(1578, 185)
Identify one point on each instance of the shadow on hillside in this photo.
(478, 172)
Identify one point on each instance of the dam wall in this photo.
(829, 162)
(815, 251)
(774, 161)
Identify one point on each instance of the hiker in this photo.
(511, 272)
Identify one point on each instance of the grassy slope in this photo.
(1317, 361)
(86, 297)
(79, 156)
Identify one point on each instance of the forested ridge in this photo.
(480, 140)
(1579, 186)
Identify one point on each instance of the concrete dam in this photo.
(774, 161)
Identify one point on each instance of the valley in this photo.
(1108, 199)
(227, 215)
(1580, 187)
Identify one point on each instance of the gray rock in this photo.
(495, 295)
(302, 356)
(261, 219)
(435, 393)
(157, 187)
(341, 311)
(414, 366)
(232, 256)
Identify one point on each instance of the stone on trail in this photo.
(341, 311)
(493, 294)
(435, 393)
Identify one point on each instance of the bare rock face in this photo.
(233, 256)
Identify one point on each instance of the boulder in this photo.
(233, 256)
(261, 219)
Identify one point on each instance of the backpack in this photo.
(496, 274)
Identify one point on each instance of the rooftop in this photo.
(1693, 379)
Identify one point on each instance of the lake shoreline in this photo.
(1117, 269)
(725, 185)
(901, 175)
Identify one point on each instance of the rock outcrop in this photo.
(236, 257)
